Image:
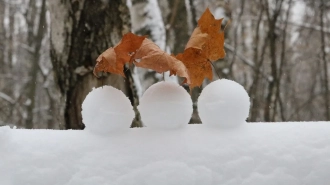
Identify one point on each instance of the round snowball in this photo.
(223, 103)
(165, 105)
(106, 109)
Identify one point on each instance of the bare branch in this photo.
(244, 59)
(7, 98)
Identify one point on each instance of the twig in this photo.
(7, 98)
(244, 59)
(215, 69)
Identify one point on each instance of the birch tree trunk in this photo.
(147, 20)
(2, 36)
(80, 31)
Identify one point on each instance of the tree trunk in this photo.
(80, 31)
(10, 45)
(325, 83)
(2, 38)
(3, 103)
(253, 92)
(37, 42)
(272, 19)
(147, 20)
(177, 20)
(278, 98)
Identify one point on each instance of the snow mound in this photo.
(106, 109)
(165, 105)
(223, 103)
(4, 135)
(255, 154)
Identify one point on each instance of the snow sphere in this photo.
(107, 109)
(223, 103)
(165, 105)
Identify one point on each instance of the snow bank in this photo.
(255, 153)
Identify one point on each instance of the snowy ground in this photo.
(255, 153)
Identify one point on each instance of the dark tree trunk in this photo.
(272, 19)
(253, 92)
(325, 83)
(10, 45)
(80, 31)
(37, 42)
(2, 37)
(177, 23)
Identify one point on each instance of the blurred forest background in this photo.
(279, 50)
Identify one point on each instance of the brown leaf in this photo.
(208, 24)
(197, 65)
(206, 44)
(106, 62)
(150, 56)
(113, 60)
(127, 47)
(197, 39)
(214, 46)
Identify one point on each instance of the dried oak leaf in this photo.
(127, 47)
(209, 37)
(113, 60)
(150, 56)
(214, 46)
(197, 65)
(106, 62)
(208, 24)
(206, 44)
(197, 39)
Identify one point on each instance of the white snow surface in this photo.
(107, 109)
(223, 103)
(253, 154)
(165, 105)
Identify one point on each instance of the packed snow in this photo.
(223, 103)
(251, 154)
(165, 105)
(107, 109)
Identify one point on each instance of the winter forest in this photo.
(279, 50)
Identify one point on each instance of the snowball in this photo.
(165, 105)
(224, 103)
(106, 109)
